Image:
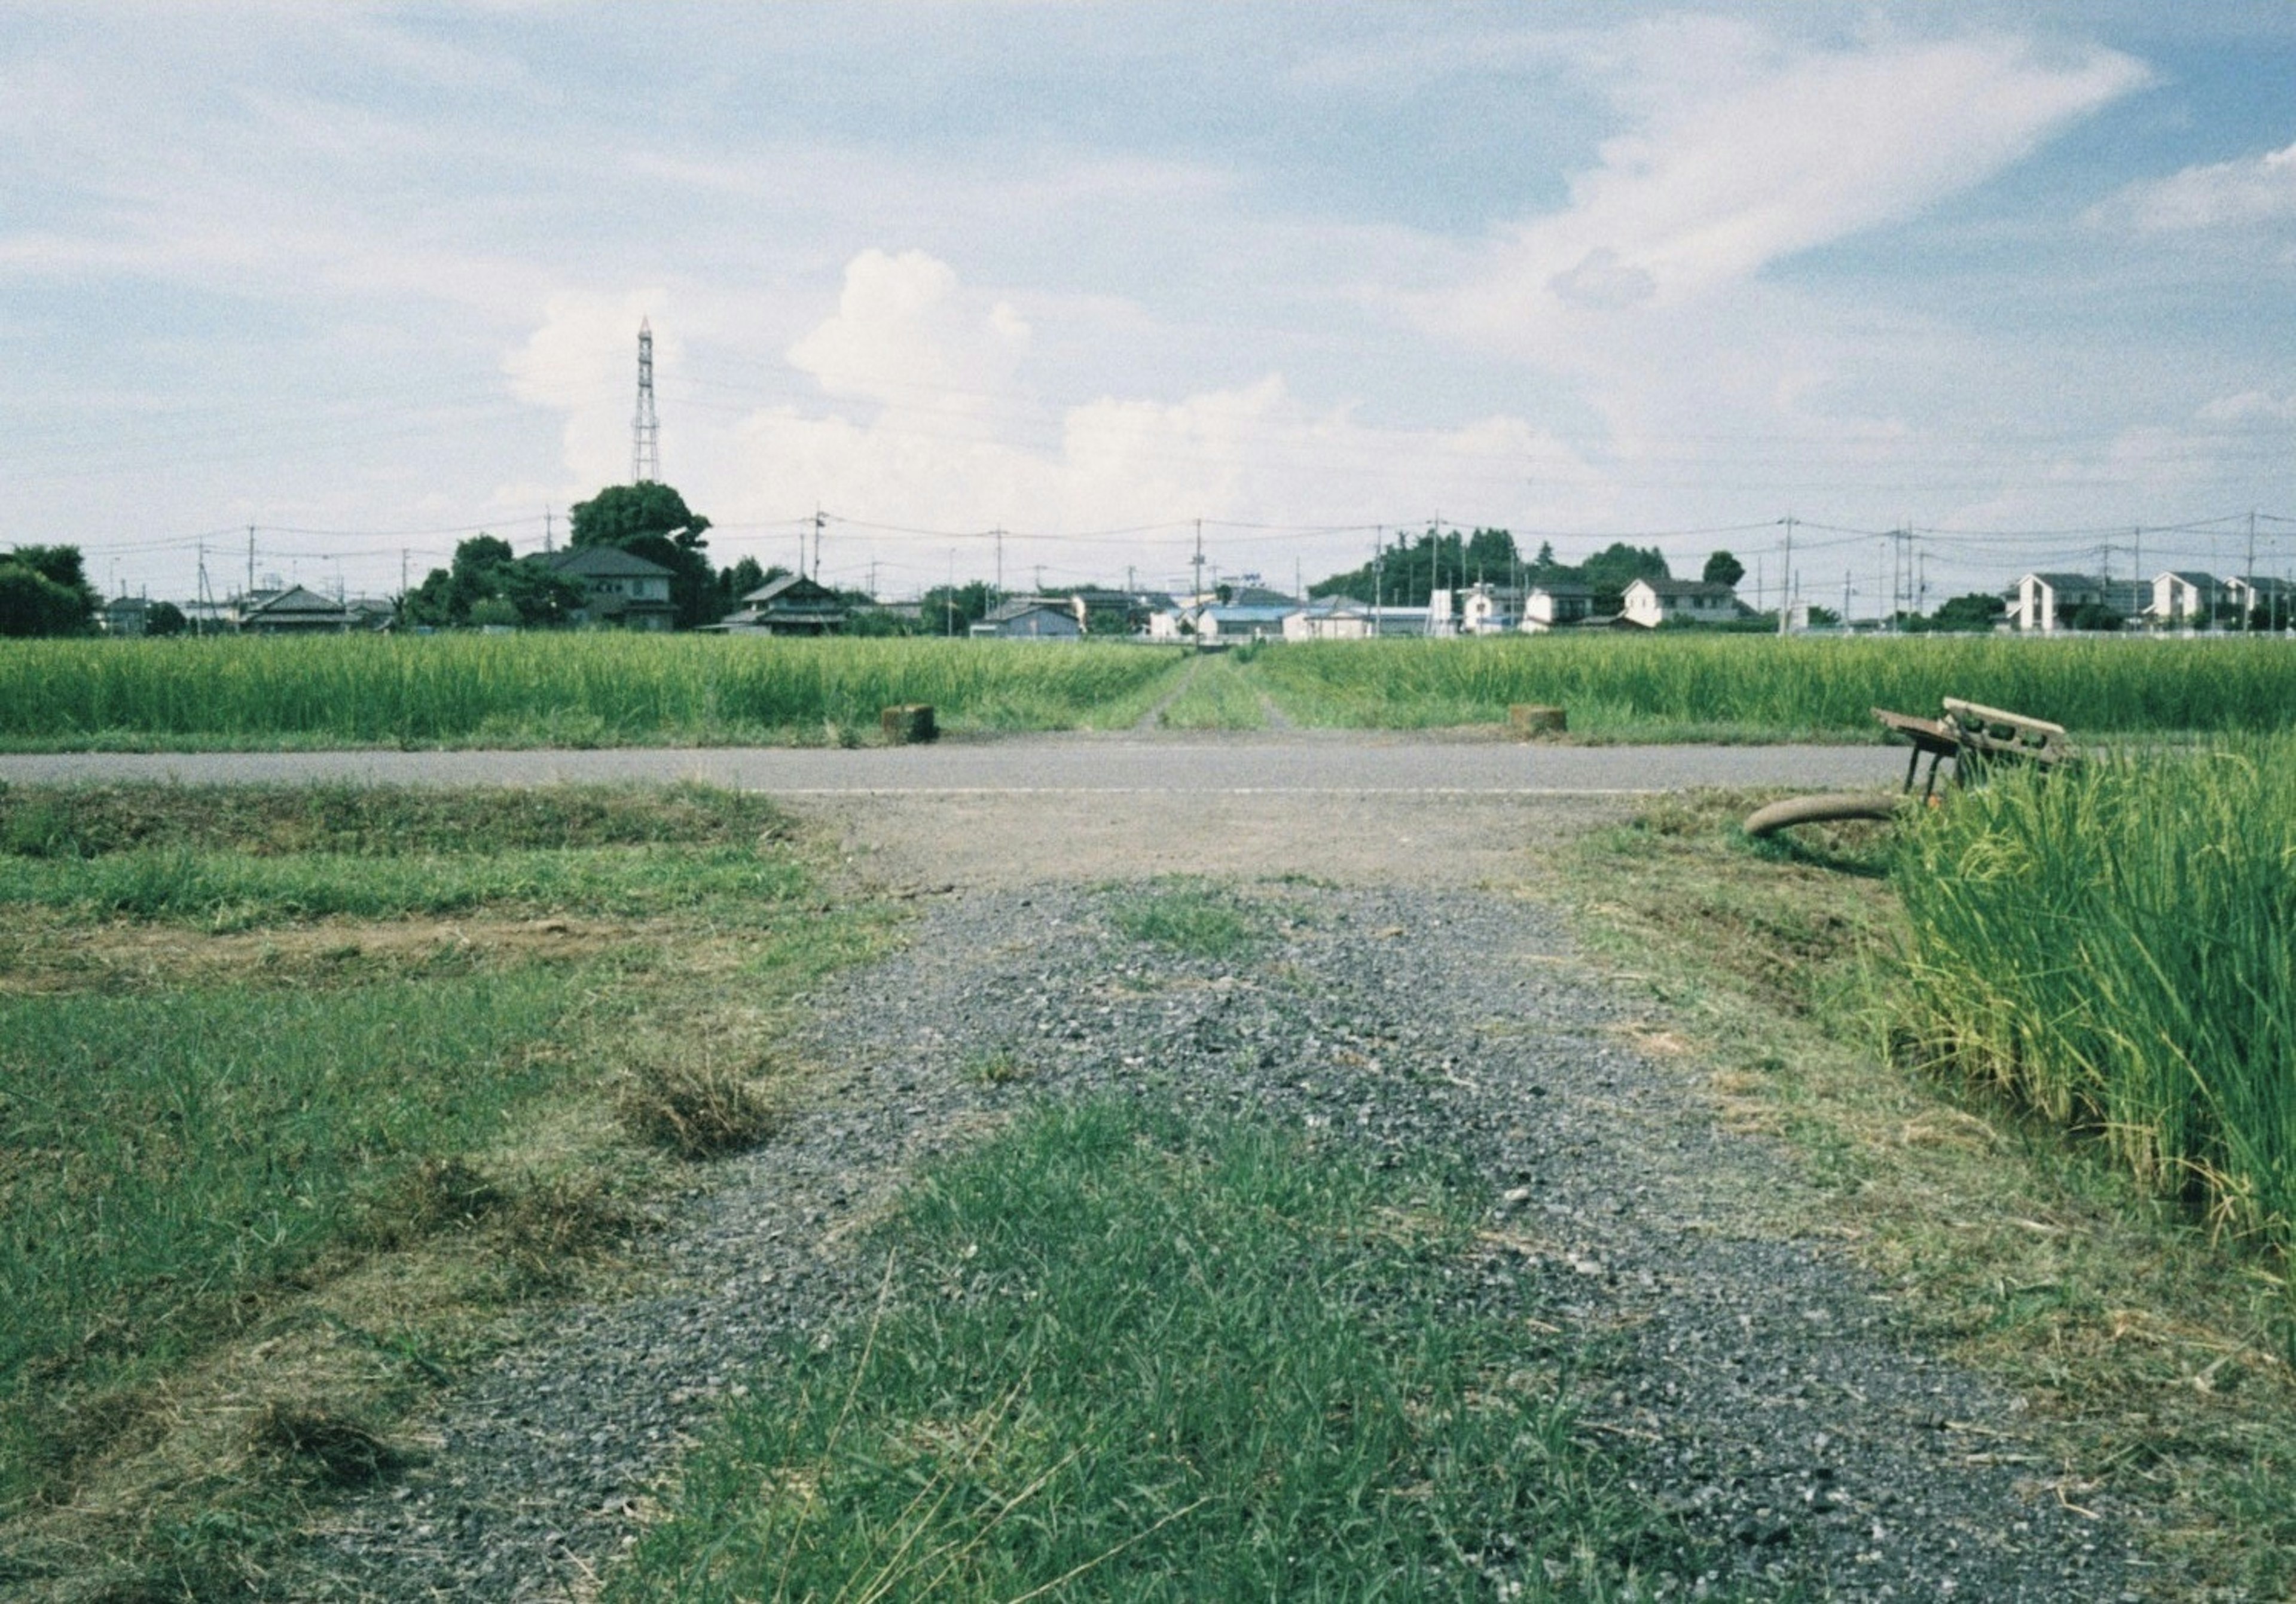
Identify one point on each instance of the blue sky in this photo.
(365, 277)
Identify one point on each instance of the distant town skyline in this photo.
(370, 278)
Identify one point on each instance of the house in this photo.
(1400, 620)
(2276, 597)
(2046, 602)
(1491, 609)
(1328, 618)
(791, 605)
(1553, 605)
(1651, 603)
(293, 611)
(1031, 617)
(2183, 597)
(1253, 620)
(619, 588)
(126, 615)
(370, 612)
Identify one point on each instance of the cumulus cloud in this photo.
(951, 436)
(1747, 159)
(584, 351)
(2219, 195)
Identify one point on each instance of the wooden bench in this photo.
(1974, 735)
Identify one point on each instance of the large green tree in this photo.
(651, 520)
(43, 590)
(487, 585)
(1723, 568)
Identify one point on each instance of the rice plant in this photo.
(569, 689)
(2116, 947)
(1654, 686)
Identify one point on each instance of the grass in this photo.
(1122, 1355)
(252, 1211)
(552, 690)
(1686, 686)
(1199, 920)
(2158, 1356)
(1220, 693)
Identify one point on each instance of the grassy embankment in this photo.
(1688, 686)
(281, 1148)
(2038, 1050)
(551, 690)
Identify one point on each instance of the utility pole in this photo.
(250, 556)
(1785, 581)
(1199, 596)
(1378, 572)
(819, 518)
(402, 573)
(1000, 561)
(548, 543)
(1845, 598)
(2248, 611)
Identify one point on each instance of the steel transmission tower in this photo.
(646, 428)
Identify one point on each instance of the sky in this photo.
(369, 279)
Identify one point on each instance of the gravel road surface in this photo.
(1758, 1389)
(1294, 762)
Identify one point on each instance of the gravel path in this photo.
(1296, 761)
(1757, 1386)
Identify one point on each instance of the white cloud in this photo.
(901, 328)
(1744, 160)
(2220, 195)
(2249, 405)
(582, 361)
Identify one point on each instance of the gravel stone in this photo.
(1757, 1386)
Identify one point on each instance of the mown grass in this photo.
(2158, 1355)
(250, 1214)
(1674, 686)
(553, 690)
(1126, 1356)
(2115, 947)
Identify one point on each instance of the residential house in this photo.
(294, 611)
(1651, 603)
(1031, 617)
(1556, 606)
(2046, 602)
(2276, 597)
(1491, 609)
(620, 588)
(791, 605)
(2183, 597)
(1236, 622)
(126, 615)
(370, 612)
(1328, 618)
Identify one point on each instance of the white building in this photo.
(1651, 603)
(1550, 607)
(2046, 602)
(2184, 596)
(1329, 618)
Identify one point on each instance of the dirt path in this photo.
(1406, 994)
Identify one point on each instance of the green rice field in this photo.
(1688, 685)
(607, 690)
(2114, 948)
(561, 690)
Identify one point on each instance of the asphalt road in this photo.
(1315, 762)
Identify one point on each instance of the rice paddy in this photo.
(552, 690)
(2114, 947)
(610, 690)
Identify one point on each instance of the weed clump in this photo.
(318, 1445)
(698, 1109)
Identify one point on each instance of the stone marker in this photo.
(1529, 718)
(910, 722)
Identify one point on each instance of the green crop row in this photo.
(552, 689)
(2116, 947)
(1805, 685)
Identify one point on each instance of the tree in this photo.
(1976, 613)
(651, 520)
(735, 582)
(2094, 615)
(953, 610)
(485, 576)
(43, 590)
(1723, 568)
(164, 618)
(1609, 571)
